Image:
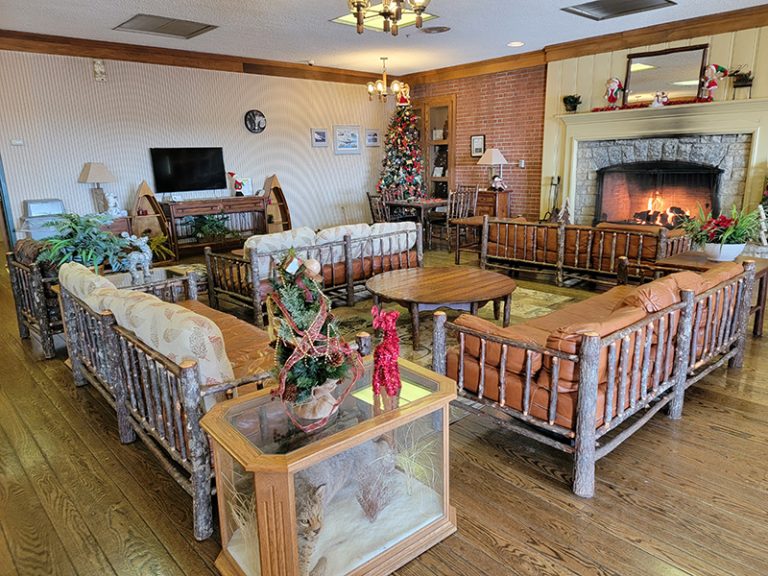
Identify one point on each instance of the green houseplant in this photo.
(83, 239)
(211, 228)
(724, 237)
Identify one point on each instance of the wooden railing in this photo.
(579, 252)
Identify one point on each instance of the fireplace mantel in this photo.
(714, 118)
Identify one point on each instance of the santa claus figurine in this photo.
(712, 74)
(612, 89)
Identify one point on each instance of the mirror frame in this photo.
(628, 75)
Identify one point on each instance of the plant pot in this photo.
(321, 405)
(571, 107)
(723, 252)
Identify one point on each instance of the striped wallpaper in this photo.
(65, 119)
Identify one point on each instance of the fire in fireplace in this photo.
(662, 193)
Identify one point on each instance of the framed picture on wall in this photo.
(372, 137)
(346, 139)
(319, 137)
(477, 145)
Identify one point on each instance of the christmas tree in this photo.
(401, 173)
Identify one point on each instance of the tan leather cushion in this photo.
(246, 345)
(655, 295)
(720, 273)
(515, 356)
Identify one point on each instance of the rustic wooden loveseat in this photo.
(160, 358)
(584, 378)
(579, 252)
(349, 255)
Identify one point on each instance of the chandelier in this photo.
(379, 87)
(391, 12)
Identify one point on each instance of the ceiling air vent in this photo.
(605, 9)
(162, 26)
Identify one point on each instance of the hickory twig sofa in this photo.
(160, 358)
(577, 252)
(349, 255)
(584, 378)
(37, 308)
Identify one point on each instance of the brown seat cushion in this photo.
(247, 346)
(515, 356)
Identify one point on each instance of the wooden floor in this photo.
(687, 497)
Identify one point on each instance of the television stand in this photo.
(244, 216)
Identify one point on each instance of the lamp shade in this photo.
(95, 173)
(492, 157)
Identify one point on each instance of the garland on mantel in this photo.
(697, 100)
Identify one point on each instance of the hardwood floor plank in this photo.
(679, 498)
(7, 566)
(124, 538)
(94, 454)
(32, 541)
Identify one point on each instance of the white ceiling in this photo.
(295, 31)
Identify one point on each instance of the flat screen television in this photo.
(187, 169)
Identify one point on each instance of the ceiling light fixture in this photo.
(390, 13)
(515, 44)
(379, 87)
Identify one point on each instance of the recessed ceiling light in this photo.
(436, 29)
(515, 44)
(687, 83)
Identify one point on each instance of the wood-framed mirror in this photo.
(676, 71)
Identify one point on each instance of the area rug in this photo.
(526, 303)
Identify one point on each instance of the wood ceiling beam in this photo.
(746, 18)
(63, 46)
(732, 21)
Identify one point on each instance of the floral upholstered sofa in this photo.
(349, 255)
(161, 363)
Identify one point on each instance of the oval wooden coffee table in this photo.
(458, 288)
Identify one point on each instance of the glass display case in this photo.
(365, 495)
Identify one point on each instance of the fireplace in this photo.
(661, 192)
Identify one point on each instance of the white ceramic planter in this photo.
(723, 252)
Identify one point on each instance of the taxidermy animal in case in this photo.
(318, 485)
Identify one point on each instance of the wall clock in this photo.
(255, 121)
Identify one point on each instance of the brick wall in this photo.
(508, 108)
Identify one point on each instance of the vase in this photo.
(723, 252)
(321, 404)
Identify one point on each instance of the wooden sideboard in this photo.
(493, 203)
(246, 216)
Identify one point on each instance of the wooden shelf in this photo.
(438, 142)
(439, 178)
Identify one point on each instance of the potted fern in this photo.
(724, 237)
(83, 239)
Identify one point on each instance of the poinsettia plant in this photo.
(738, 228)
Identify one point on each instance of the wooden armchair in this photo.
(460, 205)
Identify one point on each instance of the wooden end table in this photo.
(425, 289)
(697, 261)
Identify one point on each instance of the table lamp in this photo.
(96, 173)
(493, 157)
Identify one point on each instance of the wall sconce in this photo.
(99, 70)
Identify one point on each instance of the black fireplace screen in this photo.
(661, 193)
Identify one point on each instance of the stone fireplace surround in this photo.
(730, 152)
(731, 134)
